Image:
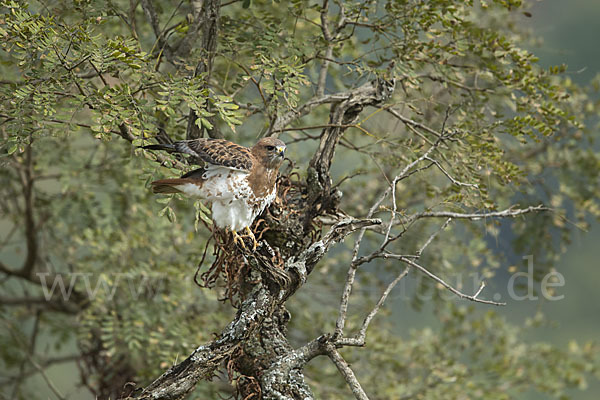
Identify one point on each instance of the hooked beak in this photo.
(281, 151)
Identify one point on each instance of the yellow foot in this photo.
(238, 238)
(251, 234)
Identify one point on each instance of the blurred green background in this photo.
(566, 32)
(569, 33)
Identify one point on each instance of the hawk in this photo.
(240, 182)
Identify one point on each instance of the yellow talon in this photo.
(251, 234)
(237, 238)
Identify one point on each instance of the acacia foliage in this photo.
(84, 82)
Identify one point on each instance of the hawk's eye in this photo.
(270, 148)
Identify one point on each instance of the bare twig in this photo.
(42, 302)
(410, 122)
(433, 235)
(206, 16)
(282, 121)
(48, 381)
(26, 175)
(346, 372)
(410, 260)
(454, 181)
(45, 363)
(29, 351)
(150, 12)
(507, 213)
(406, 171)
(431, 275)
(202, 14)
(510, 212)
(328, 51)
(360, 338)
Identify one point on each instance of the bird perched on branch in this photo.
(239, 181)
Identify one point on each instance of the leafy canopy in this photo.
(85, 82)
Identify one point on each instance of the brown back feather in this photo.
(221, 152)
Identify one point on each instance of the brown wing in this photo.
(218, 152)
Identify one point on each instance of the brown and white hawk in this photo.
(240, 182)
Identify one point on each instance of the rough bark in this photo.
(258, 329)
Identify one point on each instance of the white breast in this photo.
(220, 183)
(234, 205)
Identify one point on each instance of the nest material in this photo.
(247, 387)
(278, 228)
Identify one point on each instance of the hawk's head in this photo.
(270, 152)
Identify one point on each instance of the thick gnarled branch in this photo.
(346, 372)
(202, 363)
(260, 304)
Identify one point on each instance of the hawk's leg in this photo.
(237, 237)
(251, 234)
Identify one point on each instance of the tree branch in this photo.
(406, 171)
(322, 80)
(260, 303)
(52, 304)
(291, 363)
(282, 121)
(45, 363)
(346, 372)
(345, 112)
(454, 181)
(150, 12)
(48, 381)
(201, 364)
(210, 29)
(433, 235)
(508, 213)
(431, 275)
(410, 122)
(360, 338)
(199, 19)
